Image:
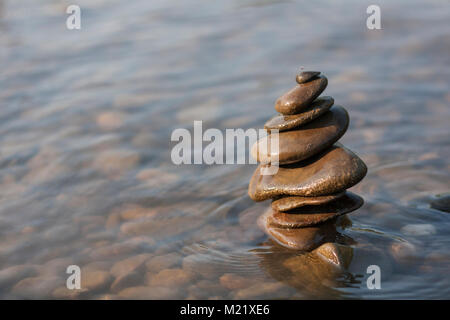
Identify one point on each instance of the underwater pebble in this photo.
(161, 262)
(11, 275)
(262, 290)
(171, 278)
(94, 280)
(402, 251)
(131, 212)
(129, 265)
(233, 281)
(114, 163)
(127, 280)
(418, 229)
(110, 120)
(64, 293)
(37, 287)
(204, 288)
(151, 293)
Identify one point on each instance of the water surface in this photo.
(85, 124)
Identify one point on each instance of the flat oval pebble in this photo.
(306, 76)
(312, 215)
(288, 122)
(301, 96)
(304, 239)
(293, 202)
(297, 145)
(329, 172)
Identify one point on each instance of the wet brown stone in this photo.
(312, 273)
(336, 254)
(329, 172)
(297, 145)
(313, 215)
(306, 76)
(293, 202)
(304, 239)
(301, 96)
(288, 122)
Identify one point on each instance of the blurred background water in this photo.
(85, 124)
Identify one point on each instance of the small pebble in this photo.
(418, 229)
(171, 278)
(129, 265)
(151, 293)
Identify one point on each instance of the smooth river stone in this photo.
(304, 239)
(305, 76)
(312, 215)
(293, 202)
(301, 96)
(288, 122)
(300, 144)
(329, 172)
(339, 255)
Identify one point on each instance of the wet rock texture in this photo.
(329, 172)
(309, 187)
(288, 122)
(289, 203)
(312, 215)
(302, 143)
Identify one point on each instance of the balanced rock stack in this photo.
(309, 188)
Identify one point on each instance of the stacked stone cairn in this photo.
(308, 191)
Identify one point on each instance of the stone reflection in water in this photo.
(309, 189)
(315, 274)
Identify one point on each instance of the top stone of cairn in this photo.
(306, 76)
